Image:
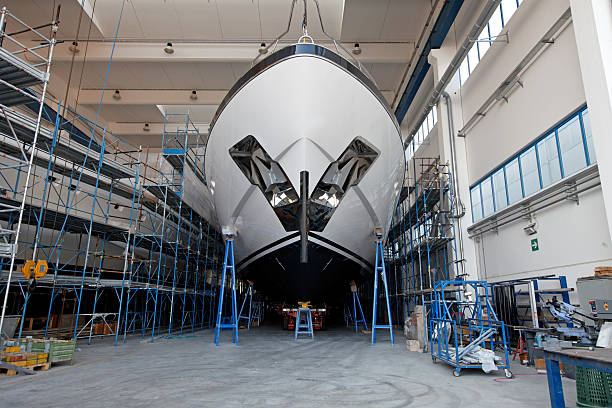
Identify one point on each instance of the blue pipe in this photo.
(445, 20)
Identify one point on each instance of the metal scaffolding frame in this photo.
(421, 246)
(112, 232)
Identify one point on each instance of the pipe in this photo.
(453, 147)
(304, 217)
(511, 80)
(446, 18)
(481, 21)
(516, 217)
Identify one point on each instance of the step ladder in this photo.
(357, 304)
(222, 323)
(306, 326)
(258, 312)
(379, 268)
(248, 295)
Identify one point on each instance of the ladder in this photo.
(306, 327)
(379, 268)
(232, 321)
(248, 295)
(357, 304)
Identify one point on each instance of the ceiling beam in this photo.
(162, 97)
(213, 52)
(137, 129)
(151, 97)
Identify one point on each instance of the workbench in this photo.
(597, 359)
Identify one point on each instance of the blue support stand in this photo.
(357, 304)
(303, 325)
(228, 263)
(248, 295)
(379, 268)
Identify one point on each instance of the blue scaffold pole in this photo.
(379, 268)
(228, 264)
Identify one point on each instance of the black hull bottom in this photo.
(325, 279)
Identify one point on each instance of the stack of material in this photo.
(477, 355)
(26, 360)
(58, 350)
(415, 330)
(603, 271)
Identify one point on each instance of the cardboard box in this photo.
(540, 365)
(413, 345)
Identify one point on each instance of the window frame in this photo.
(552, 132)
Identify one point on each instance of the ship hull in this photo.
(307, 111)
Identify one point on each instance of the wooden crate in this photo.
(98, 328)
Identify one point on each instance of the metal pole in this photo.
(27, 182)
(304, 217)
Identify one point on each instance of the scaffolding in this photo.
(120, 251)
(421, 248)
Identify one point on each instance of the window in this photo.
(464, 72)
(487, 197)
(496, 23)
(499, 190)
(572, 147)
(557, 154)
(549, 160)
(586, 122)
(508, 9)
(476, 203)
(422, 132)
(529, 169)
(513, 178)
(483, 46)
(473, 58)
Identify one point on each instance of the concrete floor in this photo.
(338, 369)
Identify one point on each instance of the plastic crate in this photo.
(59, 350)
(593, 388)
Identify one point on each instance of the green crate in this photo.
(59, 350)
(593, 388)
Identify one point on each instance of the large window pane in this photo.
(495, 23)
(529, 167)
(464, 71)
(483, 46)
(572, 147)
(476, 203)
(513, 178)
(473, 58)
(508, 9)
(549, 160)
(499, 190)
(589, 135)
(487, 197)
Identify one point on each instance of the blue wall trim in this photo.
(445, 20)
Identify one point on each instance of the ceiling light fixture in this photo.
(117, 95)
(194, 95)
(262, 48)
(168, 49)
(146, 127)
(74, 47)
(356, 50)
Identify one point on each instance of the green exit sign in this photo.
(534, 245)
